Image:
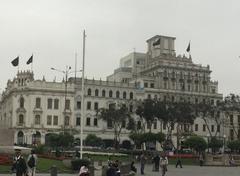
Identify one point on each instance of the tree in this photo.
(93, 140)
(215, 144)
(234, 145)
(118, 116)
(196, 143)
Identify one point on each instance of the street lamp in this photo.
(224, 138)
(208, 135)
(66, 72)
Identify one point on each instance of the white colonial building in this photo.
(35, 108)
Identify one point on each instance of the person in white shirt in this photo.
(163, 164)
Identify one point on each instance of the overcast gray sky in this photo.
(52, 31)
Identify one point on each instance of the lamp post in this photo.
(66, 72)
(224, 138)
(208, 135)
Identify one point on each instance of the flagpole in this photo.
(82, 101)
(18, 63)
(75, 67)
(189, 50)
(32, 64)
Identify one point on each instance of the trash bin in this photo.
(54, 170)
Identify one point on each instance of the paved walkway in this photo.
(172, 171)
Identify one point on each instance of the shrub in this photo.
(78, 163)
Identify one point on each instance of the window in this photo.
(173, 98)
(67, 120)
(56, 103)
(37, 120)
(96, 106)
(218, 128)
(189, 87)
(117, 94)
(49, 120)
(78, 104)
(152, 85)
(38, 103)
(196, 100)
(155, 124)
(124, 95)
(172, 126)
(149, 125)
(149, 96)
(67, 104)
(88, 105)
(110, 93)
(109, 123)
(95, 122)
(20, 119)
(204, 127)
(49, 104)
(131, 95)
(55, 120)
(96, 92)
(212, 128)
(145, 84)
(103, 93)
(88, 122)
(196, 127)
(165, 84)
(21, 102)
(89, 92)
(78, 121)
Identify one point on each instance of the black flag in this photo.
(188, 48)
(30, 60)
(15, 62)
(157, 42)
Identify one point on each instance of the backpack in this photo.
(31, 162)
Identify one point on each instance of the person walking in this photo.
(156, 161)
(32, 163)
(201, 159)
(142, 163)
(19, 164)
(179, 162)
(163, 164)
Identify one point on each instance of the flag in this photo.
(188, 48)
(15, 62)
(30, 60)
(157, 42)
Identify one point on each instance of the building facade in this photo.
(35, 108)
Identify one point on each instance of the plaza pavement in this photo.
(172, 171)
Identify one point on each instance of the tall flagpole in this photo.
(32, 64)
(75, 67)
(82, 101)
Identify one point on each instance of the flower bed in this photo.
(5, 159)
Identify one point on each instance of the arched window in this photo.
(20, 137)
(89, 92)
(124, 95)
(117, 94)
(20, 120)
(110, 93)
(96, 92)
(21, 102)
(131, 95)
(36, 138)
(103, 93)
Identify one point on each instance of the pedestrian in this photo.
(156, 161)
(163, 164)
(32, 163)
(179, 162)
(142, 163)
(133, 168)
(201, 159)
(83, 171)
(111, 171)
(19, 164)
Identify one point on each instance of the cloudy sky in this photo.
(52, 31)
